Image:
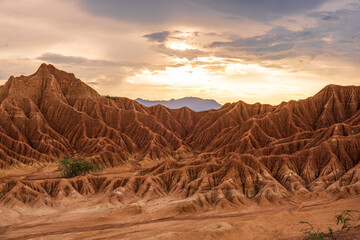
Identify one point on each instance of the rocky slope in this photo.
(225, 157)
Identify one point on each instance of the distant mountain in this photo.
(194, 103)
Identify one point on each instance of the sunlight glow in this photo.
(205, 76)
(181, 76)
(179, 46)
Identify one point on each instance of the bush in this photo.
(343, 219)
(72, 167)
(109, 97)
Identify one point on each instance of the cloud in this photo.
(189, 54)
(101, 65)
(263, 10)
(276, 44)
(158, 36)
(166, 38)
(336, 35)
(325, 15)
(144, 11)
(58, 58)
(158, 11)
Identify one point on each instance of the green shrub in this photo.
(109, 97)
(72, 167)
(343, 219)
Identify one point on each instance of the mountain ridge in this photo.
(226, 157)
(194, 103)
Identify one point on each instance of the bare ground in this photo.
(92, 217)
(151, 221)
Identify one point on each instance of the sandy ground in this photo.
(157, 219)
(90, 217)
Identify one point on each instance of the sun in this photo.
(179, 46)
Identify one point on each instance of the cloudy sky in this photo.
(264, 51)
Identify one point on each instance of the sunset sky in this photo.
(264, 51)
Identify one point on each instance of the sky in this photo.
(265, 51)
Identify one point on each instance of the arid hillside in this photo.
(228, 157)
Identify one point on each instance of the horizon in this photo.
(180, 98)
(158, 100)
(229, 51)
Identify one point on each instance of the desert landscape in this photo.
(244, 171)
(173, 120)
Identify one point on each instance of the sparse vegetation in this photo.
(343, 220)
(109, 97)
(72, 167)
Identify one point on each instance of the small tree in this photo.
(72, 167)
(343, 219)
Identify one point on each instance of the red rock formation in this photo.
(218, 157)
(51, 114)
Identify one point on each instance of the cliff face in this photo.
(240, 151)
